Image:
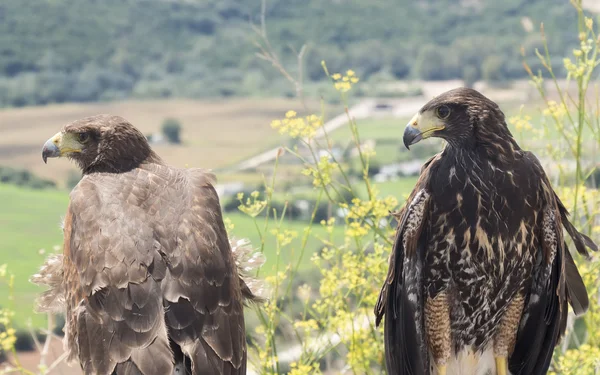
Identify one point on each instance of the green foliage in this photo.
(430, 63)
(23, 177)
(73, 179)
(171, 128)
(399, 64)
(491, 69)
(87, 50)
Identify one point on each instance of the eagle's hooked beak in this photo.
(59, 145)
(421, 126)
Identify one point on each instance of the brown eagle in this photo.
(147, 276)
(480, 275)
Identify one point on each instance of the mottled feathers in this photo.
(481, 236)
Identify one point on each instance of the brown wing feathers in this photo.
(400, 299)
(122, 309)
(203, 295)
(555, 284)
(127, 283)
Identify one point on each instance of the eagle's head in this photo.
(102, 143)
(463, 117)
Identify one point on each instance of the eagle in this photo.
(480, 276)
(147, 280)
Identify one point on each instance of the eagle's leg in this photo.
(506, 336)
(437, 326)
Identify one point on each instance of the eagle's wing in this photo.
(204, 310)
(112, 275)
(400, 299)
(556, 282)
(146, 253)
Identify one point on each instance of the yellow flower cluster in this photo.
(355, 229)
(584, 63)
(8, 339)
(272, 314)
(322, 173)
(344, 83)
(585, 360)
(521, 122)
(554, 109)
(588, 202)
(252, 206)
(304, 369)
(229, 226)
(362, 214)
(284, 237)
(294, 126)
(328, 225)
(359, 355)
(306, 325)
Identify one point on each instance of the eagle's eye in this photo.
(83, 137)
(443, 112)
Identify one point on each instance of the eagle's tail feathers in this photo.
(576, 291)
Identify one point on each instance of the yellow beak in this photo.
(421, 126)
(59, 145)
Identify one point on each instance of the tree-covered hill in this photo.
(87, 50)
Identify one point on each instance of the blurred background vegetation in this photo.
(86, 50)
(205, 79)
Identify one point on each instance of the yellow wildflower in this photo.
(295, 127)
(228, 224)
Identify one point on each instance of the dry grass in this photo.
(215, 133)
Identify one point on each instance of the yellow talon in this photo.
(442, 370)
(501, 366)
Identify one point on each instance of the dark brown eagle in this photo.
(480, 275)
(147, 276)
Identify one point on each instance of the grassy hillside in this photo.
(29, 222)
(88, 50)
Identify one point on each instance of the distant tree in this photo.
(73, 179)
(470, 75)
(429, 64)
(491, 70)
(367, 57)
(200, 42)
(399, 65)
(23, 177)
(171, 128)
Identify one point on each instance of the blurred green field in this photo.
(29, 222)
